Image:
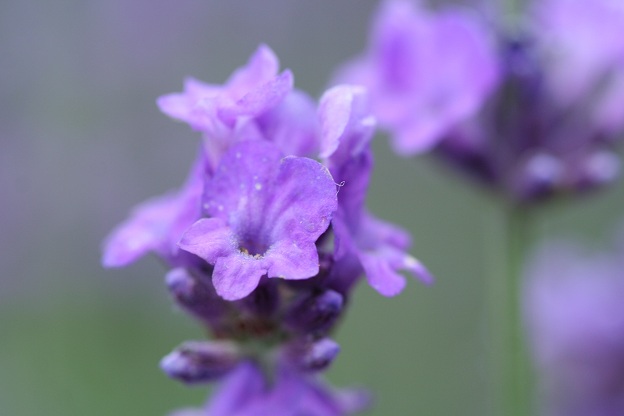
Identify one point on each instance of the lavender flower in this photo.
(265, 214)
(256, 102)
(264, 242)
(575, 316)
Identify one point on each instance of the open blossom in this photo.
(267, 238)
(256, 102)
(575, 316)
(426, 72)
(265, 213)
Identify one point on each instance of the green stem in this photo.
(518, 225)
(510, 367)
(513, 13)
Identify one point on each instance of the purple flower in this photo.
(426, 72)
(379, 247)
(256, 208)
(249, 91)
(531, 116)
(256, 102)
(575, 316)
(245, 392)
(265, 213)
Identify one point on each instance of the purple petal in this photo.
(143, 232)
(292, 125)
(303, 201)
(261, 67)
(381, 275)
(260, 99)
(237, 275)
(209, 238)
(242, 180)
(290, 260)
(213, 109)
(381, 249)
(345, 121)
(187, 106)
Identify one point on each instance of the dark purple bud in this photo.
(314, 356)
(195, 295)
(538, 176)
(201, 361)
(313, 313)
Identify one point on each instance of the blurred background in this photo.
(81, 142)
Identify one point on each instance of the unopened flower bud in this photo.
(540, 175)
(315, 312)
(195, 296)
(201, 361)
(314, 356)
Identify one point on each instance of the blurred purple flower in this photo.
(551, 126)
(530, 115)
(575, 316)
(525, 143)
(245, 392)
(426, 71)
(588, 60)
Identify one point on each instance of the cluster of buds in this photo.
(267, 237)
